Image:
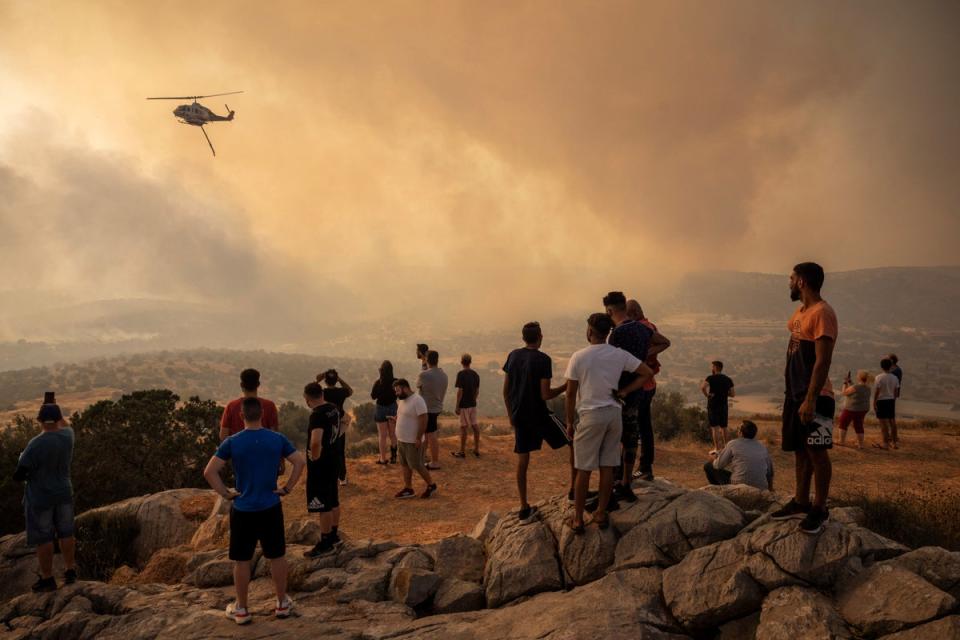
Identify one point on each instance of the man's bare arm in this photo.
(212, 476)
(421, 428)
(570, 405)
(824, 354)
(299, 464)
(549, 393)
(658, 344)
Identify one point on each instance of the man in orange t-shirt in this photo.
(808, 404)
(231, 421)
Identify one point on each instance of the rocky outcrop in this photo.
(795, 613)
(521, 560)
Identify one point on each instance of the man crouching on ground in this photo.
(256, 513)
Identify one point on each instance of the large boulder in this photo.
(413, 587)
(886, 598)
(367, 579)
(693, 520)
(459, 556)
(795, 613)
(782, 555)
(213, 532)
(936, 565)
(651, 498)
(746, 497)
(943, 629)
(586, 557)
(455, 596)
(18, 565)
(485, 526)
(521, 560)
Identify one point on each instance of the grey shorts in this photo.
(408, 455)
(46, 525)
(596, 442)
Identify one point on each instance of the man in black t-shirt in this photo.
(468, 388)
(526, 389)
(323, 467)
(718, 388)
(338, 395)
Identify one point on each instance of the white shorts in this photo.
(597, 440)
(468, 417)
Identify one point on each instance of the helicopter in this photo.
(197, 114)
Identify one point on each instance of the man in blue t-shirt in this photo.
(48, 495)
(256, 514)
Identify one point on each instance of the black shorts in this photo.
(717, 415)
(249, 527)
(528, 433)
(886, 409)
(818, 434)
(323, 494)
(432, 422)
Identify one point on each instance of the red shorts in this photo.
(856, 417)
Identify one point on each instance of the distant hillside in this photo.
(918, 297)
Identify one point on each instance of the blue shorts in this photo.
(385, 411)
(46, 525)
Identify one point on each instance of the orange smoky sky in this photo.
(486, 159)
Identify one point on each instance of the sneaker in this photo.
(69, 576)
(44, 585)
(637, 474)
(343, 482)
(322, 548)
(429, 491)
(712, 452)
(813, 523)
(790, 510)
(379, 461)
(282, 610)
(527, 515)
(238, 615)
(433, 466)
(405, 493)
(647, 476)
(458, 454)
(625, 493)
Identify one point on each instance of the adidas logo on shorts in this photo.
(314, 505)
(822, 436)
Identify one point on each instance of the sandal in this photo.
(578, 529)
(458, 454)
(602, 523)
(877, 445)
(382, 462)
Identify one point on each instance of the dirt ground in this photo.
(470, 487)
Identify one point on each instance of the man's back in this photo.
(232, 418)
(433, 387)
(719, 385)
(748, 460)
(886, 384)
(47, 457)
(526, 368)
(256, 454)
(634, 338)
(469, 381)
(598, 368)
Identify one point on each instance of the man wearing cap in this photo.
(48, 496)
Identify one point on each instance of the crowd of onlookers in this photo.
(609, 386)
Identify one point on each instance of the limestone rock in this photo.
(848, 515)
(586, 557)
(455, 596)
(366, 580)
(651, 498)
(485, 526)
(214, 532)
(746, 497)
(939, 567)
(459, 556)
(416, 559)
(943, 629)
(795, 613)
(303, 532)
(886, 598)
(783, 555)
(521, 560)
(18, 566)
(413, 587)
(876, 546)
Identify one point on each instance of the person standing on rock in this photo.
(323, 466)
(526, 389)
(593, 392)
(256, 514)
(635, 312)
(743, 460)
(338, 395)
(411, 430)
(432, 384)
(48, 495)
(807, 411)
(468, 388)
(718, 389)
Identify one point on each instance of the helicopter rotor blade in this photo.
(208, 140)
(212, 95)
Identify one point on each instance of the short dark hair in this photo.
(313, 390)
(749, 429)
(422, 348)
(249, 379)
(812, 274)
(466, 358)
(401, 382)
(886, 363)
(893, 358)
(252, 411)
(329, 376)
(531, 332)
(615, 300)
(717, 364)
(433, 357)
(600, 323)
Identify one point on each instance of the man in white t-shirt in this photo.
(411, 427)
(593, 376)
(886, 388)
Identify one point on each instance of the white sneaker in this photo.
(238, 615)
(283, 608)
(713, 452)
(343, 482)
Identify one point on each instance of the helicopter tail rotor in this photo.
(229, 112)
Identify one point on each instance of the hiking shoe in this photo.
(792, 509)
(343, 482)
(322, 548)
(625, 493)
(813, 523)
(405, 493)
(527, 515)
(429, 491)
(238, 615)
(69, 576)
(44, 585)
(282, 610)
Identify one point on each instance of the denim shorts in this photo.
(45, 525)
(385, 411)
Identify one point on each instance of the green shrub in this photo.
(13, 440)
(673, 417)
(363, 419)
(366, 447)
(294, 419)
(105, 542)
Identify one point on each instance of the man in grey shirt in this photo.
(48, 495)
(432, 384)
(742, 461)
